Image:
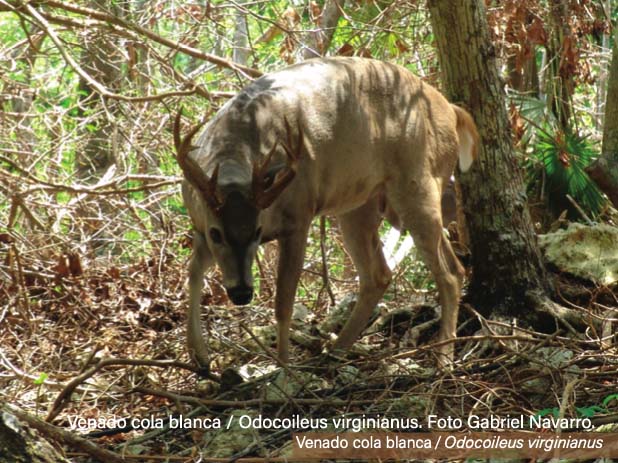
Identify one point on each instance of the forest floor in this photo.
(106, 343)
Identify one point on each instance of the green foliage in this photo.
(584, 412)
(589, 412)
(41, 379)
(132, 235)
(66, 115)
(554, 411)
(534, 112)
(557, 160)
(610, 399)
(175, 205)
(562, 158)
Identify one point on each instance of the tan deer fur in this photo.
(354, 138)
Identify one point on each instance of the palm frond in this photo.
(564, 157)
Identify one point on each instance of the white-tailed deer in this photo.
(355, 138)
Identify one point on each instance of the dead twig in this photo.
(92, 13)
(219, 403)
(65, 395)
(20, 282)
(166, 458)
(325, 280)
(107, 188)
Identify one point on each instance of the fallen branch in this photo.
(65, 394)
(261, 402)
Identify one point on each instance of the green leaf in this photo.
(564, 157)
(549, 411)
(588, 412)
(610, 398)
(41, 379)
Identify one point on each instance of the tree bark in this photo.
(508, 270)
(102, 60)
(241, 51)
(526, 79)
(562, 55)
(603, 74)
(604, 171)
(318, 41)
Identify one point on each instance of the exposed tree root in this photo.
(574, 321)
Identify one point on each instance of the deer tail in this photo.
(468, 138)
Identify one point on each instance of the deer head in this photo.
(233, 212)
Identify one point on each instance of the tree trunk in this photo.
(102, 60)
(526, 79)
(604, 171)
(562, 57)
(317, 42)
(241, 51)
(601, 83)
(508, 271)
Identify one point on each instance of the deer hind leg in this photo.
(420, 213)
(360, 236)
(201, 259)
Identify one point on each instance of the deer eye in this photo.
(258, 233)
(215, 236)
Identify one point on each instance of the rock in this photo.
(338, 315)
(224, 443)
(283, 386)
(348, 374)
(589, 252)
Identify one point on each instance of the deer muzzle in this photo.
(241, 294)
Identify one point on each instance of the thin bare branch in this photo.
(92, 13)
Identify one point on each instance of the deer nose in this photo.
(240, 295)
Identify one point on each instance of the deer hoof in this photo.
(203, 371)
(229, 379)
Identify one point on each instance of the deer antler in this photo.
(193, 172)
(264, 196)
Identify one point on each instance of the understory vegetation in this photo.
(95, 239)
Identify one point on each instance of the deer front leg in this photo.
(201, 260)
(291, 257)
